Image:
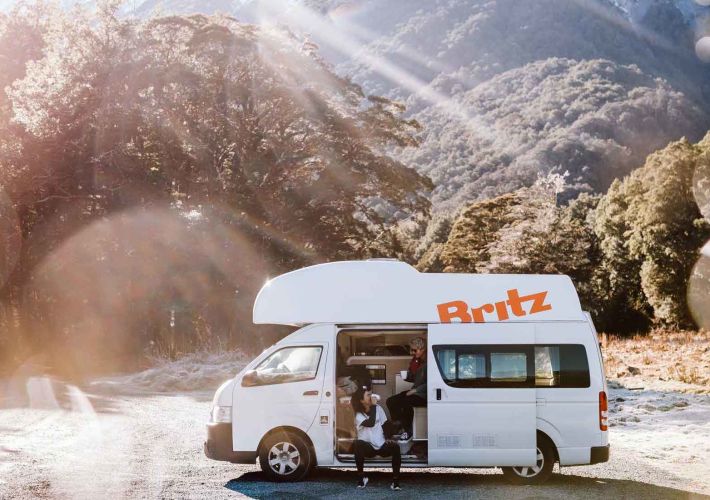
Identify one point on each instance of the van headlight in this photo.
(222, 414)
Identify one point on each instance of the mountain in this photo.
(591, 118)
(509, 89)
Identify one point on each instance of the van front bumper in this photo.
(219, 445)
(600, 454)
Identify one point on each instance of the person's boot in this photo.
(362, 481)
(395, 485)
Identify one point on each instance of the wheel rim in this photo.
(534, 470)
(284, 458)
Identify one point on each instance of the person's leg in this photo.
(408, 404)
(394, 405)
(417, 400)
(362, 449)
(396, 461)
(390, 449)
(406, 414)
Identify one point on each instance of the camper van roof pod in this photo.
(392, 292)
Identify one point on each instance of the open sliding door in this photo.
(481, 394)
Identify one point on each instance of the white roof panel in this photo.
(389, 291)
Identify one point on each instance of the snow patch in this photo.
(195, 372)
(669, 429)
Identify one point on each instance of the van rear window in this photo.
(561, 366)
(498, 366)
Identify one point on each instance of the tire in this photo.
(285, 457)
(538, 473)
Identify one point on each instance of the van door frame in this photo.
(344, 328)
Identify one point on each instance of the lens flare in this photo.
(702, 49)
(701, 188)
(145, 276)
(699, 290)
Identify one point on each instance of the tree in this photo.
(651, 231)
(236, 137)
(527, 232)
(467, 249)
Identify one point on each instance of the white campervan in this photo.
(514, 379)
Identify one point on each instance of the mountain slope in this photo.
(508, 89)
(594, 119)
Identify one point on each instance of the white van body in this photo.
(497, 383)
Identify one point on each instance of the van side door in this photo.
(284, 389)
(481, 394)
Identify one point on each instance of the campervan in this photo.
(514, 380)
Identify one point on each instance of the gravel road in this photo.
(150, 446)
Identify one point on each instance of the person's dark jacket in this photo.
(419, 380)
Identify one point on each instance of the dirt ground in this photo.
(150, 446)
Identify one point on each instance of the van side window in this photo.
(472, 366)
(561, 366)
(509, 366)
(493, 366)
(290, 364)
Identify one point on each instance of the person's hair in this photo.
(356, 401)
(417, 343)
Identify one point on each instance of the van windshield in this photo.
(290, 364)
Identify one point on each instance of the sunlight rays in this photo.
(358, 33)
(648, 35)
(306, 20)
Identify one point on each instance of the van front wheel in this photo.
(535, 474)
(285, 457)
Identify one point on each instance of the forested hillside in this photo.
(507, 89)
(633, 253)
(151, 169)
(156, 170)
(594, 119)
(465, 70)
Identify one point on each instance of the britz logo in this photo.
(459, 309)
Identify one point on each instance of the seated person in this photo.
(369, 419)
(401, 406)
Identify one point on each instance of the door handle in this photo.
(310, 393)
(438, 394)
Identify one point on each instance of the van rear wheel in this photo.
(285, 457)
(535, 474)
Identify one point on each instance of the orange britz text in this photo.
(458, 309)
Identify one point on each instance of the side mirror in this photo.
(250, 379)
